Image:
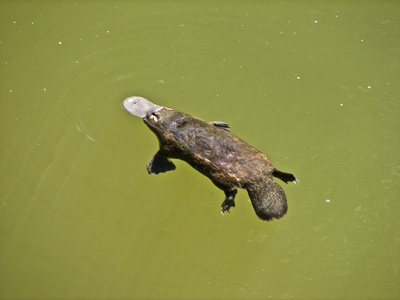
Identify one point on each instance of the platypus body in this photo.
(212, 150)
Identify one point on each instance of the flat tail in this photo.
(268, 199)
(286, 177)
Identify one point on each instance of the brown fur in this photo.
(228, 161)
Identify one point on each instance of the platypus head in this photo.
(140, 107)
(165, 122)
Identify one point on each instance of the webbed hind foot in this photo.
(285, 177)
(229, 201)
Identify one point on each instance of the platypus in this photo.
(214, 151)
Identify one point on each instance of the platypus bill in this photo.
(212, 150)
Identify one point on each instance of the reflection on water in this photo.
(313, 87)
(82, 129)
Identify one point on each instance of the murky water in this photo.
(314, 85)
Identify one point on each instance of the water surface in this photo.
(314, 85)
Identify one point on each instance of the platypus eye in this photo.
(154, 116)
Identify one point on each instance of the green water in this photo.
(313, 84)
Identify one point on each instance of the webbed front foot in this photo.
(160, 164)
(229, 201)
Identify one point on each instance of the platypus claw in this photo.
(226, 205)
(229, 201)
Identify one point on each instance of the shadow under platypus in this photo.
(212, 150)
